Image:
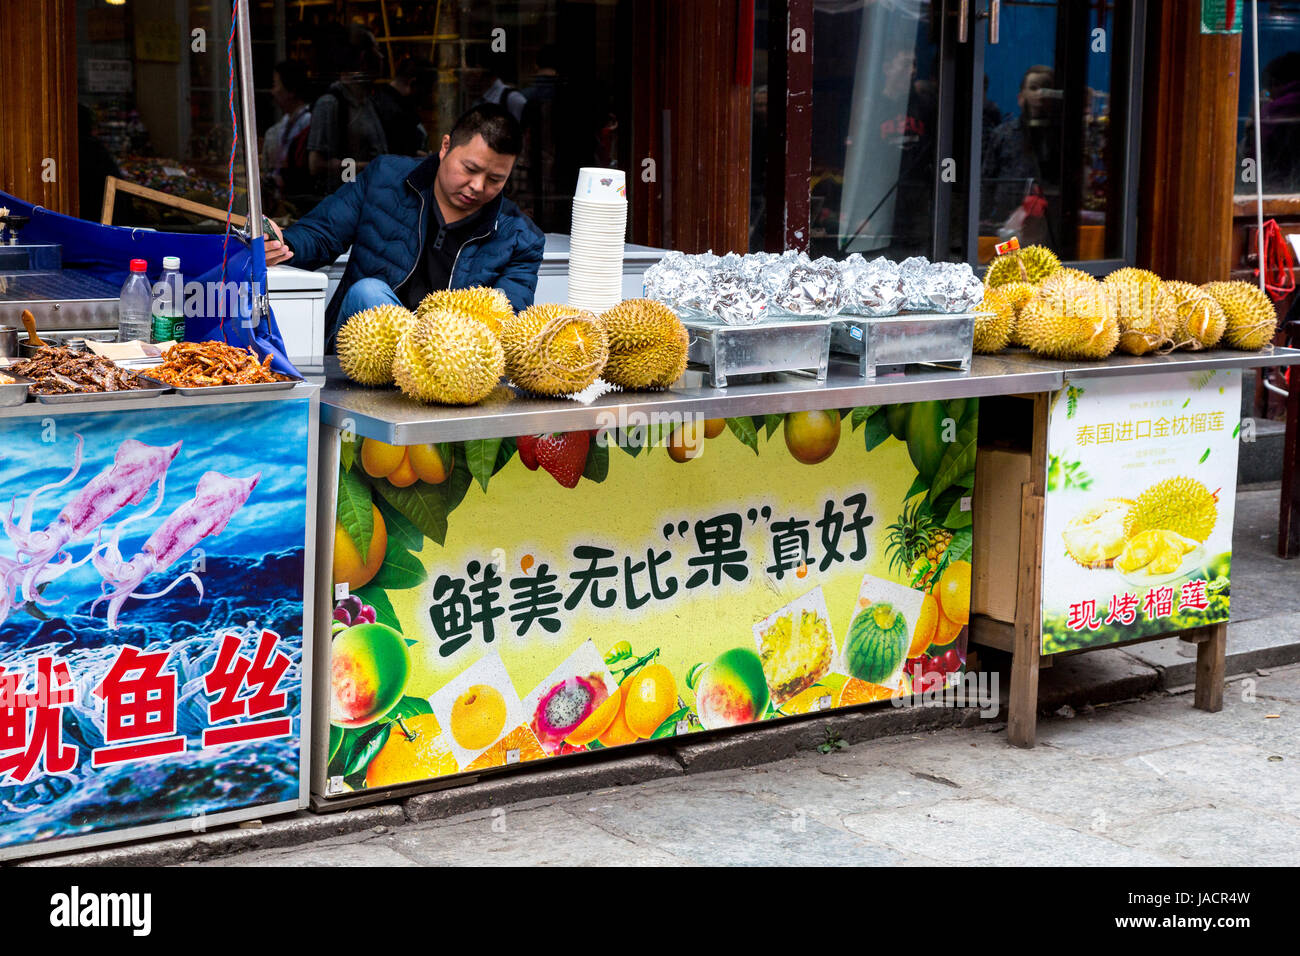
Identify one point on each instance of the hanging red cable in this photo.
(1278, 263)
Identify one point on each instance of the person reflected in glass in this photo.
(398, 104)
(344, 123)
(1021, 168)
(284, 148)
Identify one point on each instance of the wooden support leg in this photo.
(1022, 708)
(1210, 654)
(1288, 526)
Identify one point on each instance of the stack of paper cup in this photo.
(596, 239)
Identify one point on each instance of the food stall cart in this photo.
(153, 626)
(497, 609)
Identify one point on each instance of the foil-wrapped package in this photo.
(666, 278)
(914, 273)
(953, 287)
(733, 299)
(813, 288)
(870, 288)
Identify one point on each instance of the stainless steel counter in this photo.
(37, 409)
(388, 415)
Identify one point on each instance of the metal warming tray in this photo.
(16, 393)
(780, 344)
(155, 389)
(192, 390)
(892, 343)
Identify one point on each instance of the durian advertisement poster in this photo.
(1142, 474)
(506, 600)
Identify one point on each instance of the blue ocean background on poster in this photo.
(252, 578)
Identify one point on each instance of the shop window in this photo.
(1279, 108)
(341, 82)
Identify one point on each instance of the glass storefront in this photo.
(1279, 108)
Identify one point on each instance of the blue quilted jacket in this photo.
(383, 216)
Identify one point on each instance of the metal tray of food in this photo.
(238, 389)
(13, 388)
(153, 390)
(781, 344)
(892, 343)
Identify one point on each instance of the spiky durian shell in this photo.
(368, 341)
(481, 303)
(1200, 319)
(1066, 276)
(449, 359)
(1030, 264)
(994, 322)
(1095, 536)
(1178, 504)
(1019, 293)
(1074, 322)
(1251, 316)
(554, 349)
(647, 344)
(1147, 314)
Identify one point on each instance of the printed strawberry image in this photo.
(564, 455)
(527, 445)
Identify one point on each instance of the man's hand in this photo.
(277, 250)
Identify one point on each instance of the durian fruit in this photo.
(1251, 317)
(1074, 322)
(1019, 293)
(368, 341)
(1146, 313)
(1066, 276)
(1094, 537)
(448, 358)
(481, 303)
(647, 344)
(1030, 264)
(995, 320)
(1180, 504)
(554, 349)
(1156, 552)
(1201, 320)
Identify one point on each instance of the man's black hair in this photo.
(494, 123)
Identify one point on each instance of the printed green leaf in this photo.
(376, 598)
(669, 727)
(958, 458)
(401, 570)
(862, 413)
(961, 546)
(355, 511)
(656, 433)
(455, 487)
(743, 428)
(919, 484)
(447, 452)
(408, 707)
(772, 423)
(423, 504)
(597, 466)
(481, 456)
(760, 422)
(1205, 456)
(504, 454)
(336, 738)
(347, 453)
(366, 748)
(876, 432)
(1236, 431)
(400, 528)
(957, 518)
(1187, 402)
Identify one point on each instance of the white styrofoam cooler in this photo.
(298, 301)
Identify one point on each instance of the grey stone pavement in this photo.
(1126, 772)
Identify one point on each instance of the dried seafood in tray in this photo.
(213, 365)
(60, 371)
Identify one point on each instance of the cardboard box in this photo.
(998, 476)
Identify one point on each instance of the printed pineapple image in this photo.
(916, 545)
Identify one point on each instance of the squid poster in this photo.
(151, 617)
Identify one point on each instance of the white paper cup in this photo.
(596, 184)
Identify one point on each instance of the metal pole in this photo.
(1259, 156)
(249, 115)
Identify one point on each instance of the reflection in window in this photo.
(1279, 108)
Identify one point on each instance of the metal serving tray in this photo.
(155, 389)
(15, 394)
(210, 390)
(892, 343)
(780, 344)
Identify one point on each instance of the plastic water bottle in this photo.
(134, 305)
(169, 302)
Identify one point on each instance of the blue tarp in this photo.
(105, 252)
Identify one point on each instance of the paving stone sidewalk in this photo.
(1148, 782)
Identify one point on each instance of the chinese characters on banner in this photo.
(139, 700)
(1139, 512)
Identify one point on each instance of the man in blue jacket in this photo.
(416, 226)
